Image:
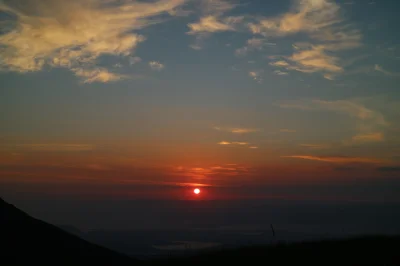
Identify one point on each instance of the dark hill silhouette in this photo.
(371, 251)
(28, 241)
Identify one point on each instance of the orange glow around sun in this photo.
(196, 191)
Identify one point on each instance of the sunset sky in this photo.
(243, 99)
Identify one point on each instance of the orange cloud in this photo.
(319, 19)
(55, 147)
(74, 34)
(238, 130)
(285, 130)
(315, 146)
(371, 137)
(233, 143)
(336, 159)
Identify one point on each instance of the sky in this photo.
(244, 99)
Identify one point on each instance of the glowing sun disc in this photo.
(196, 191)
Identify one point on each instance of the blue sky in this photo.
(265, 86)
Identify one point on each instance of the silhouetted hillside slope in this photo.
(28, 241)
(379, 251)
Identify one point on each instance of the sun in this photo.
(196, 191)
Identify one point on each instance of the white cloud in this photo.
(196, 46)
(280, 73)
(134, 60)
(217, 7)
(251, 45)
(211, 24)
(156, 65)
(323, 22)
(212, 20)
(75, 33)
(306, 16)
(96, 75)
(368, 122)
(280, 63)
(256, 75)
(386, 72)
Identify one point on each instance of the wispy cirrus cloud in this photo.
(237, 130)
(322, 21)
(336, 159)
(380, 69)
(280, 73)
(315, 146)
(369, 137)
(256, 75)
(212, 20)
(368, 122)
(156, 65)
(135, 60)
(52, 147)
(97, 75)
(211, 24)
(74, 34)
(254, 44)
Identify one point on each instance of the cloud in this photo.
(240, 143)
(211, 24)
(252, 45)
(74, 34)
(180, 12)
(256, 75)
(386, 72)
(156, 65)
(280, 73)
(368, 121)
(97, 75)
(196, 46)
(233, 143)
(370, 137)
(315, 146)
(237, 130)
(213, 20)
(336, 159)
(134, 60)
(323, 23)
(253, 147)
(55, 147)
(306, 16)
(280, 63)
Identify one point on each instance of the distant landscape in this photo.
(26, 240)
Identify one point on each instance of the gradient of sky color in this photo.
(146, 99)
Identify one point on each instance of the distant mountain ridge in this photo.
(25, 240)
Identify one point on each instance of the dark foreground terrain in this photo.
(357, 251)
(27, 241)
